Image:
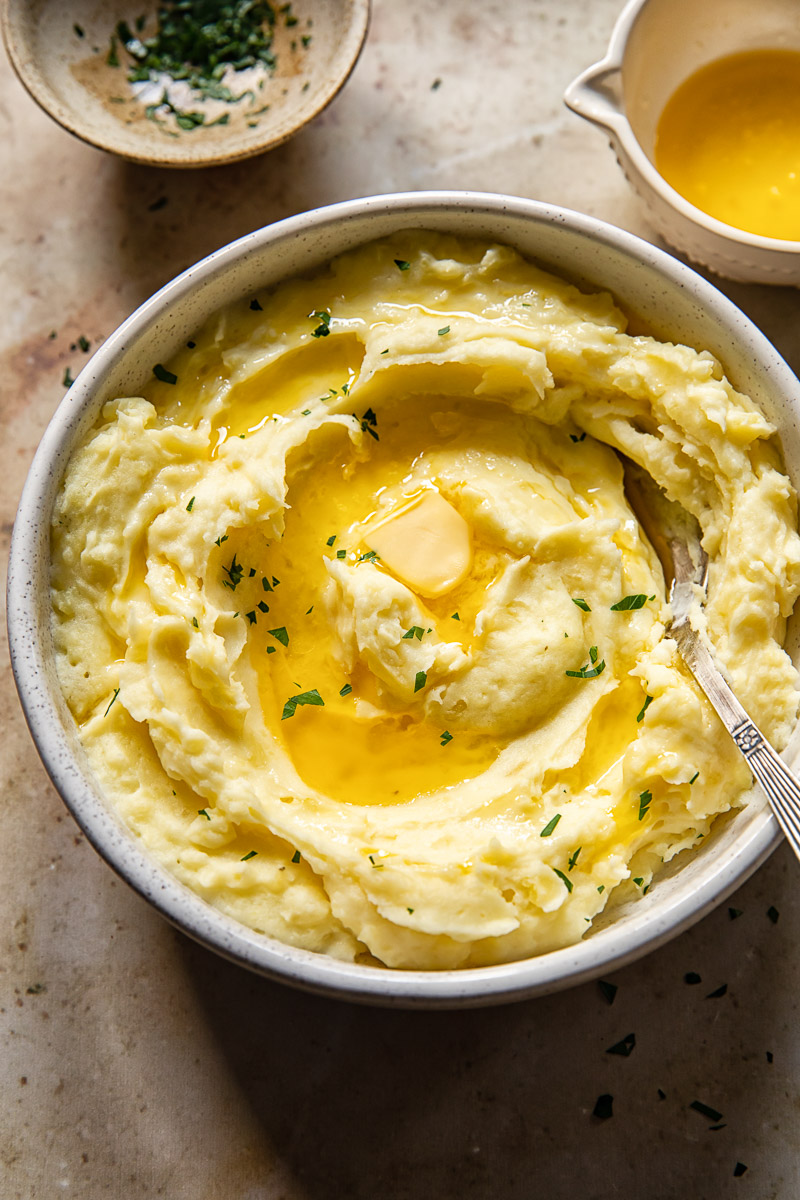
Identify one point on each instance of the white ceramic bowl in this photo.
(655, 46)
(669, 297)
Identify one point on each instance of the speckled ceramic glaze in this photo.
(672, 300)
(60, 53)
(655, 46)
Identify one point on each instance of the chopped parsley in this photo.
(420, 679)
(550, 826)
(190, 505)
(111, 701)
(341, 554)
(294, 702)
(201, 812)
(645, 799)
(331, 540)
(296, 856)
(446, 737)
(256, 307)
(377, 866)
(218, 541)
(648, 700)
(574, 437)
(455, 617)
(624, 1047)
(401, 264)
(262, 606)
(164, 375)
(695, 776)
(322, 329)
(67, 381)
(346, 690)
(368, 556)
(573, 858)
(194, 622)
(567, 882)
(705, 1110)
(445, 329)
(609, 990)
(416, 631)
(280, 635)
(83, 343)
(252, 616)
(581, 603)
(250, 854)
(592, 669)
(629, 603)
(234, 572)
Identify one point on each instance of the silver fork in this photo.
(675, 537)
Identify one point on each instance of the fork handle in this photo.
(777, 782)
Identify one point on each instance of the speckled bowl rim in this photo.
(35, 84)
(322, 233)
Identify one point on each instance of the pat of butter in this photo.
(426, 545)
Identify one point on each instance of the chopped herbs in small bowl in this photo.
(184, 82)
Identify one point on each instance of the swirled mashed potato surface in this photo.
(361, 635)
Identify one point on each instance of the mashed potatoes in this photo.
(361, 635)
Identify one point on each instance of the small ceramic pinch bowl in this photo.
(71, 59)
(666, 296)
(655, 46)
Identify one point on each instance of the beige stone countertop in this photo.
(136, 1064)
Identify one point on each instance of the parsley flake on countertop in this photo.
(691, 977)
(550, 826)
(67, 381)
(625, 1047)
(718, 992)
(603, 1107)
(773, 914)
(294, 702)
(609, 990)
(739, 1170)
(164, 375)
(733, 913)
(705, 1110)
